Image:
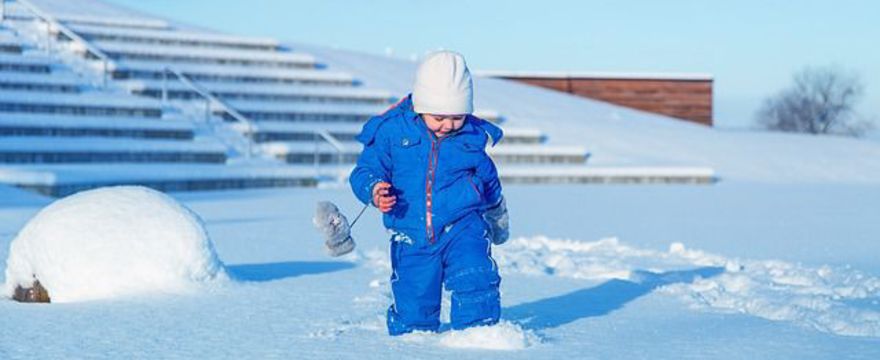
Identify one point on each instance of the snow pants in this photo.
(460, 260)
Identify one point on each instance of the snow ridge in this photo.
(840, 301)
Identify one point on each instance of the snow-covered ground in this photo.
(734, 270)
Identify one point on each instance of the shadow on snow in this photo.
(599, 300)
(282, 270)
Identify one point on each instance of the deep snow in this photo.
(633, 272)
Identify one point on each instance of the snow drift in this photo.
(112, 242)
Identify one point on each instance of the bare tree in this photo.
(822, 101)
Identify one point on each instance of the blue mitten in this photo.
(499, 223)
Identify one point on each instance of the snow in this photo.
(358, 93)
(234, 70)
(85, 99)
(11, 197)
(502, 336)
(366, 110)
(620, 272)
(618, 136)
(61, 174)
(112, 242)
(819, 298)
(190, 52)
(27, 120)
(54, 78)
(176, 34)
(776, 260)
(24, 144)
(24, 60)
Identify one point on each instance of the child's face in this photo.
(443, 125)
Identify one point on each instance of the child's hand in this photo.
(382, 197)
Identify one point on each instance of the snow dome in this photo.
(111, 242)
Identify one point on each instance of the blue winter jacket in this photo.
(436, 181)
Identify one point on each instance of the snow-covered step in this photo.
(515, 135)
(296, 111)
(172, 37)
(606, 175)
(46, 82)
(86, 104)
(10, 44)
(204, 55)
(265, 131)
(109, 21)
(538, 154)
(21, 63)
(306, 152)
(138, 69)
(65, 179)
(262, 91)
(26, 149)
(19, 124)
(489, 115)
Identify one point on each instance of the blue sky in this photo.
(751, 47)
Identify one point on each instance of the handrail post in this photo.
(164, 86)
(104, 73)
(48, 39)
(315, 157)
(62, 29)
(207, 111)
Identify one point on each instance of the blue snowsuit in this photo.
(439, 237)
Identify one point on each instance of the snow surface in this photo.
(734, 270)
(112, 242)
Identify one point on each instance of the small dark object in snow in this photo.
(35, 294)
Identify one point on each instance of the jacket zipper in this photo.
(429, 187)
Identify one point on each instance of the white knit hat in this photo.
(443, 85)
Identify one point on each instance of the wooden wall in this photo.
(686, 99)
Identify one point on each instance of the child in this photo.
(424, 165)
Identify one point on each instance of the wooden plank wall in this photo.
(688, 99)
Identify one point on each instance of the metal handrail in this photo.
(212, 100)
(106, 61)
(331, 140)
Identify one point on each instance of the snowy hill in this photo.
(618, 136)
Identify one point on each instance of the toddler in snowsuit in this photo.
(424, 165)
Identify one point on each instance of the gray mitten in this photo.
(334, 226)
(499, 223)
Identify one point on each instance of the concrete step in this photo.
(150, 36)
(53, 150)
(169, 53)
(606, 175)
(307, 152)
(140, 69)
(261, 92)
(87, 104)
(47, 125)
(65, 179)
(268, 131)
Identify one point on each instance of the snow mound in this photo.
(502, 336)
(113, 242)
(840, 301)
